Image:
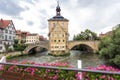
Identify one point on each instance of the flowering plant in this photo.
(58, 74)
(100, 76)
(51, 74)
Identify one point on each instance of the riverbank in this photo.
(12, 54)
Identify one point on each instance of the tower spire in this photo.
(58, 2)
(58, 8)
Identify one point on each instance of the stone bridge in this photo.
(91, 44)
(43, 44)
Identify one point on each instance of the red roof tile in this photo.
(18, 32)
(4, 23)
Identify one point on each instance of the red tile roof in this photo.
(107, 33)
(4, 23)
(18, 32)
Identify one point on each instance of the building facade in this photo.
(7, 34)
(58, 33)
(32, 38)
(28, 38)
(21, 36)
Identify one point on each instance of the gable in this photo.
(58, 29)
(6, 23)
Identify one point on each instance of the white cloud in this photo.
(81, 14)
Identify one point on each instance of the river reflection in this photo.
(88, 59)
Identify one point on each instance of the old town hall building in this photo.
(58, 33)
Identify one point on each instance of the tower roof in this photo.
(58, 15)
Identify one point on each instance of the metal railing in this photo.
(60, 68)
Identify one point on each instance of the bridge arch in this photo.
(40, 44)
(83, 47)
(93, 45)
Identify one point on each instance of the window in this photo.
(2, 37)
(10, 32)
(5, 37)
(63, 35)
(9, 37)
(0, 42)
(0, 47)
(54, 40)
(58, 40)
(6, 31)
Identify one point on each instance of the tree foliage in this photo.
(86, 35)
(19, 47)
(109, 48)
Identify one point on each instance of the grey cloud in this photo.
(96, 3)
(43, 11)
(10, 7)
(43, 23)
(27, 8)
(30, 23)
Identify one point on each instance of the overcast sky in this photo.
(32, 15)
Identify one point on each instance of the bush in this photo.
(109, 48)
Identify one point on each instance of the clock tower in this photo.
(58, 33)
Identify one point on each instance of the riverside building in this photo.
(58, 33)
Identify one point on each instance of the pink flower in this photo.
(112, 78)
(102, 77)
(1, 67)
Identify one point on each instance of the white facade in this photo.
(7, 36)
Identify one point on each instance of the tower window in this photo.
(58, 40)
(54, 40)
(63, 35)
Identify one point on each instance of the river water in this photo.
(88, 59)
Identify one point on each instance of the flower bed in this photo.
(30, 73)
(99, 76)
(18, 76)
(8, 72)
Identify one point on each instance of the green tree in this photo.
(86, 35)
(109, 48)
(6, 48)
(19, 47)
